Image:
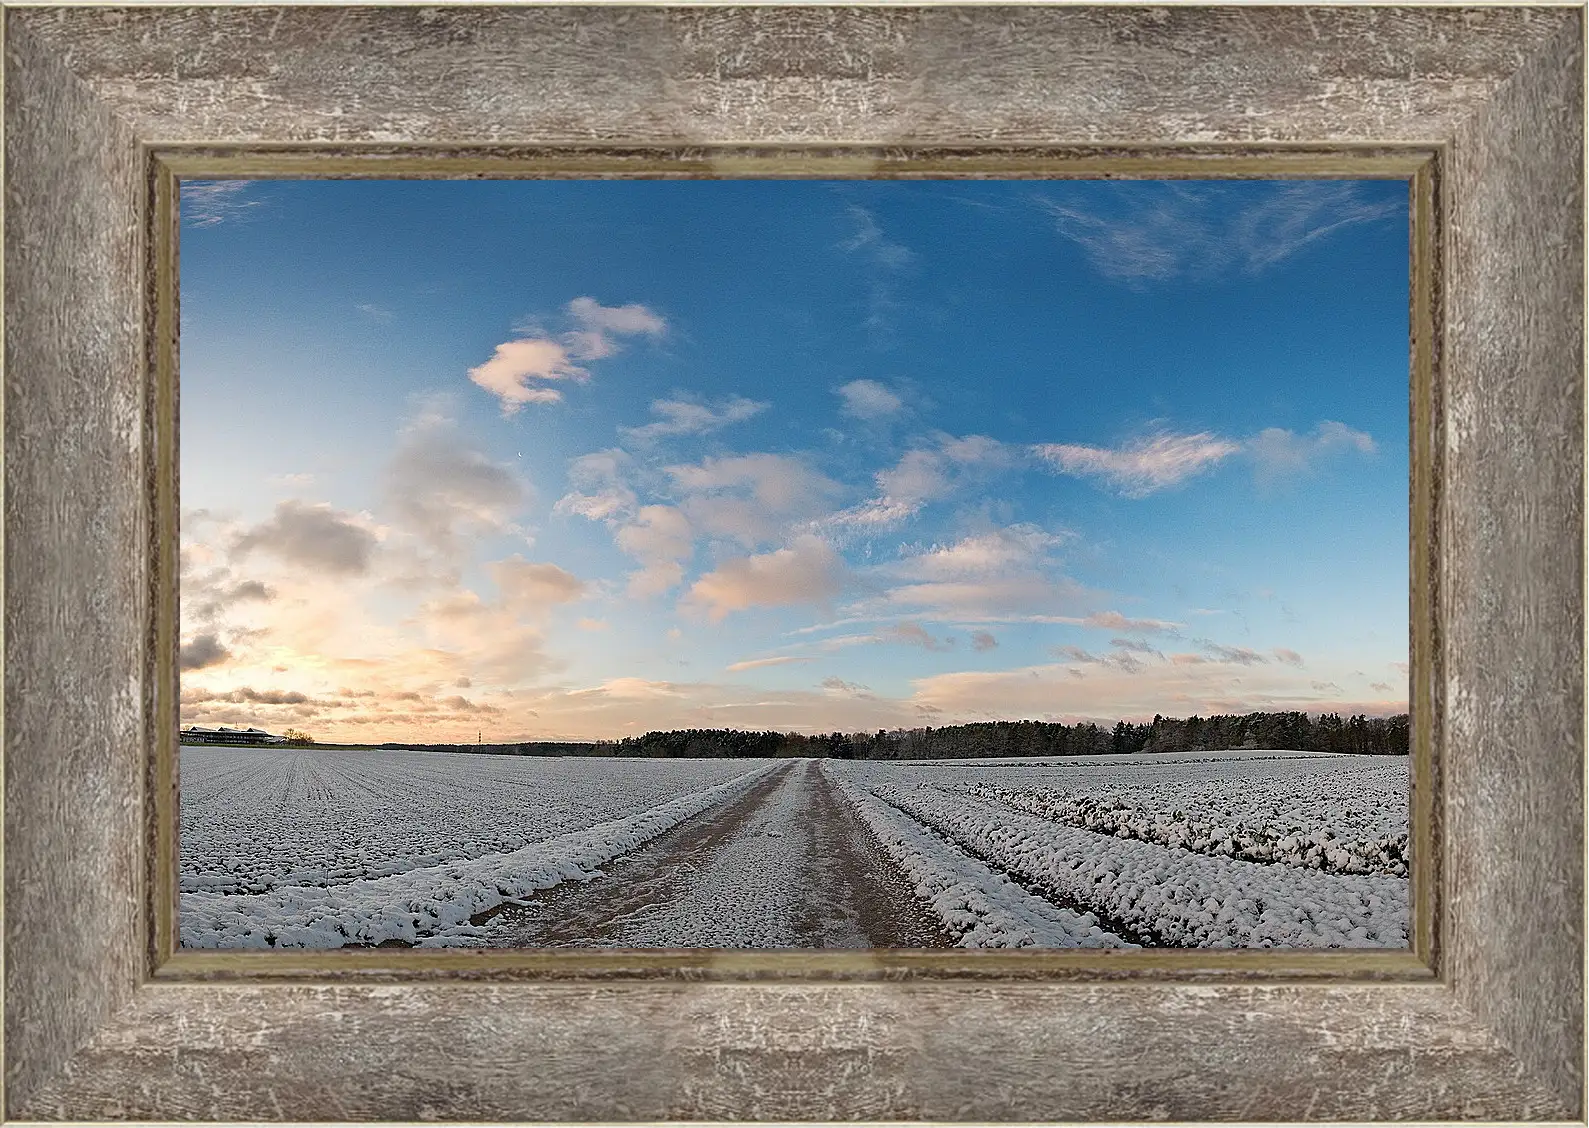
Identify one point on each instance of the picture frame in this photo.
(1481, 108)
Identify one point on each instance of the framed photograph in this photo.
(735, 563)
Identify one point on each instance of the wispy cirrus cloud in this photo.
(764, 663)
(1141, 466)
(1161, 460)
(686, 417)
(206, 203)
(923, 475)
(1145, 232)
(886, 259)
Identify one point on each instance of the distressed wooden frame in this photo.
(1482, 109)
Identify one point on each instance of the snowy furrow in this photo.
(430, 906)
(979, 907)
(1181, 898)
(1204, 825)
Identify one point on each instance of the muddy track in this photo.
(788, 864)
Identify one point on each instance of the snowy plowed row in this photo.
(1357, 826)
(431, 906)
(253, 819)
(979, 907)
(1174, 896)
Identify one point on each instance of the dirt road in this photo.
(786, 865)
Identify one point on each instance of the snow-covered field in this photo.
(322, 848)
(1245, 849)
(318, 848)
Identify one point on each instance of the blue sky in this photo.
(573, 459)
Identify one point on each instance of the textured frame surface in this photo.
(96, 99)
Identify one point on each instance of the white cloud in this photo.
(1277, 452)
(808, 571)
(923, 475)
(682, 417)
(625, 320)
(997, 551)
(867, 399)
(600, 325)
(1141, 466)
(603, 474)
(1019, 597)
(751, 499)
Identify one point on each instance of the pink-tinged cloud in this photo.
(982, 641)
(316, 537)
(1114, 621)
(660, 538)
(1142, 466)
(914, 634)
(533, 588)
(1109, 691)
(1289, 657)
(513, 372)
(808, 571)
(765, 663)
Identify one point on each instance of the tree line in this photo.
(1329, 732)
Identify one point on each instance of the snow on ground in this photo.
(256, 818)
(1345, 814)
(429, 903)
(979, 907)
(1162, 893)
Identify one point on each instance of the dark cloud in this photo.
(315, 536)
(204, 650)
(983, 640)
(1240, 655)
(246, 696)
